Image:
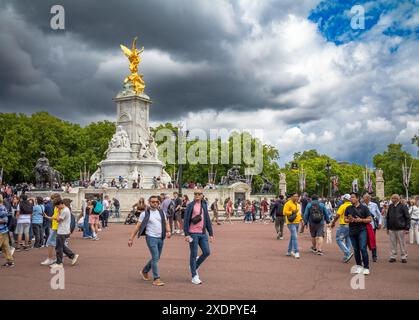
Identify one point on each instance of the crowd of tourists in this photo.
(34, 223)
(27, 224)
(358, 220)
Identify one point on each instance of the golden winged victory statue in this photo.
(134, 58)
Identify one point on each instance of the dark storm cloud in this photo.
(183, 27)
(52, 70)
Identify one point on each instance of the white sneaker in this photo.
(55, 265)
(74, 261)
(366, 272)
(47, 262)
(357, 269)
(12, 250)
(196, 280)
(297, 255)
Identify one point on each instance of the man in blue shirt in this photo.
(315, 215)
(46, 227)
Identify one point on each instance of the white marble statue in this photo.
(152, 147)
(120, 139)
(165, 177)
(134, 174)
(282, 178)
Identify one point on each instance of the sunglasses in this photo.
(155, 201)
(198, 193)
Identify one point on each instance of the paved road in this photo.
(247, 263)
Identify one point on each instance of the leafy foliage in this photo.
(68, 146)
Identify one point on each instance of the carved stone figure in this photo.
(120, 140)
(233, 176)
(45, 175)
(266, 186)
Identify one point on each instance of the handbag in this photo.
(292, 216)
(197, 219)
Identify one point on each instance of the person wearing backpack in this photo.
(105, 212)
(168, 207)
(315, 216)
(4, 237)
(23, 216)
(96, 210)
(214, 209)
(278, 213)
(155, 226)
(116, 205)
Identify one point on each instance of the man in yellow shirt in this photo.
(52, 238)
(292, 213)
(342, 233)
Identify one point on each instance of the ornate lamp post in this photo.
(179, 174)
(328, 170)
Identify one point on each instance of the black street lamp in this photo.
(328, 170)
(179, 173)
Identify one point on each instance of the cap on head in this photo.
(346, 196)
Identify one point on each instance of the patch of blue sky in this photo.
(333, 18)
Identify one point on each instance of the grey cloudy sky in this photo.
(217, 64)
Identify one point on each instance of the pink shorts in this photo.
(93, 219)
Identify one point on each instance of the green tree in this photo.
(67, 145)
(390, 162)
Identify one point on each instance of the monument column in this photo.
(379, 184)
(132, 115)
(282, 184)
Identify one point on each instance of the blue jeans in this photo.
(155, 245)
(201, 240)
(248, 216)
(293, 244)
(116, 212)
(86, 227)
(343, 240)
(359, 242)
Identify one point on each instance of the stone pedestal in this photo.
(132, 150)
(282, 184)
(379, 184)
(133, 115)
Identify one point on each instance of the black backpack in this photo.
(212, 206)
(316, 213)
(25, 207)
(279, 209)
(171, 210)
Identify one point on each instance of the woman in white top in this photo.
(414, 222)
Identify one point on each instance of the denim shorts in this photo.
(317, 230)
(52, 239)
(22, 228)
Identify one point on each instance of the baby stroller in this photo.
(131, 218)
